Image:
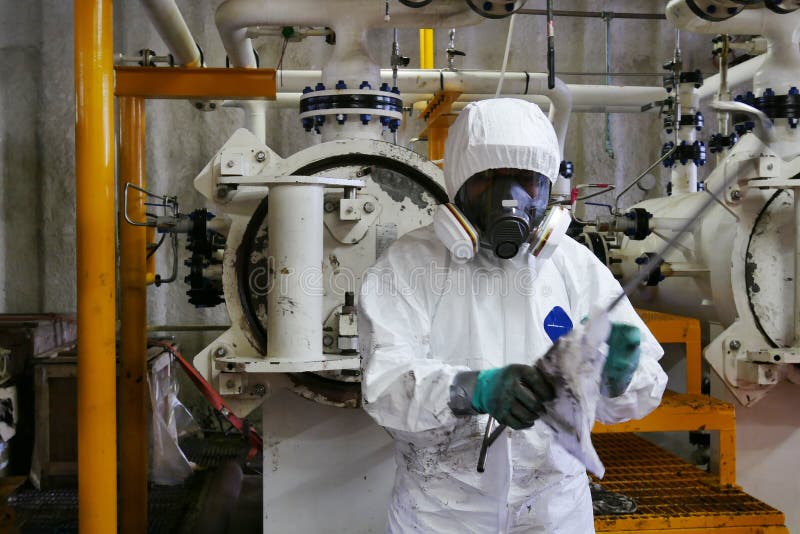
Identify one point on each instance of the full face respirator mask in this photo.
(501, 210)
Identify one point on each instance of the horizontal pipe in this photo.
(564, 96)
(419, 81)
(292, 101)
(172, 28)
(594, 14)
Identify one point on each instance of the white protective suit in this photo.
(425, 318)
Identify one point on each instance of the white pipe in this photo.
(292, 101)
(667, 223)
(782, 31)
(425, 82)
(294, 301)
(610, 95)
(255, 115)
(737, 75)
(796, 340)
(684, 176)
(172, 28)
(748, 22)
(233, 17)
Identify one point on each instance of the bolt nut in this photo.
(260, 390)
(327, 340)
(735, 344)
(220, 352)
(736, 195)
(231, 383)
(369, 207)
(261, 156)
(329, 206)
(222, 191)
(230, 163)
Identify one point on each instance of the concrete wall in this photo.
(20, 158)
(37, 193)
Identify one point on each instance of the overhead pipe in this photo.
(747, 22)
(234, 17)
(172, 28)
(781, 63)
(415, 83)
(96, 266)
(292, 100)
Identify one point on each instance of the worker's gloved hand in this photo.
(513, 395)
(622, 361)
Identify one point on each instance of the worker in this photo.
(447, 343)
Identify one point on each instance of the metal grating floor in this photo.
(672, 494)
(55, 511)
(214, 449)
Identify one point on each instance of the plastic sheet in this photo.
(170, 420)
(573, 367)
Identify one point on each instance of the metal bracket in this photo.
(350, 223)
(167, 202)
(774, 356)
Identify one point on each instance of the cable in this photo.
(505, 55)
(279, 66)
(592, 195)
(155, 248)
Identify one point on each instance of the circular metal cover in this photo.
(769, 269)
(407, 198)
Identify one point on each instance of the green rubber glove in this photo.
(513, 395)
(622, 361)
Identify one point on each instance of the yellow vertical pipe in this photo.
(435, 135)
(94, 176)
(422, 48)
(426, 48)
(133, 321)
(429, 51)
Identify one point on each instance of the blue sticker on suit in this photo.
(557, 323)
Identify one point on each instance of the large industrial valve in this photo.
(303, 231)
(737, 267)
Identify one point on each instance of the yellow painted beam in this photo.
(679, 412)
(190, 83)
(133, 321)
(96, 256)
(766, 529)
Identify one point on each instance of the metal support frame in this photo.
(133, 315)
(94, 174)
(133, 86)
(692, 411)
(438, 119)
